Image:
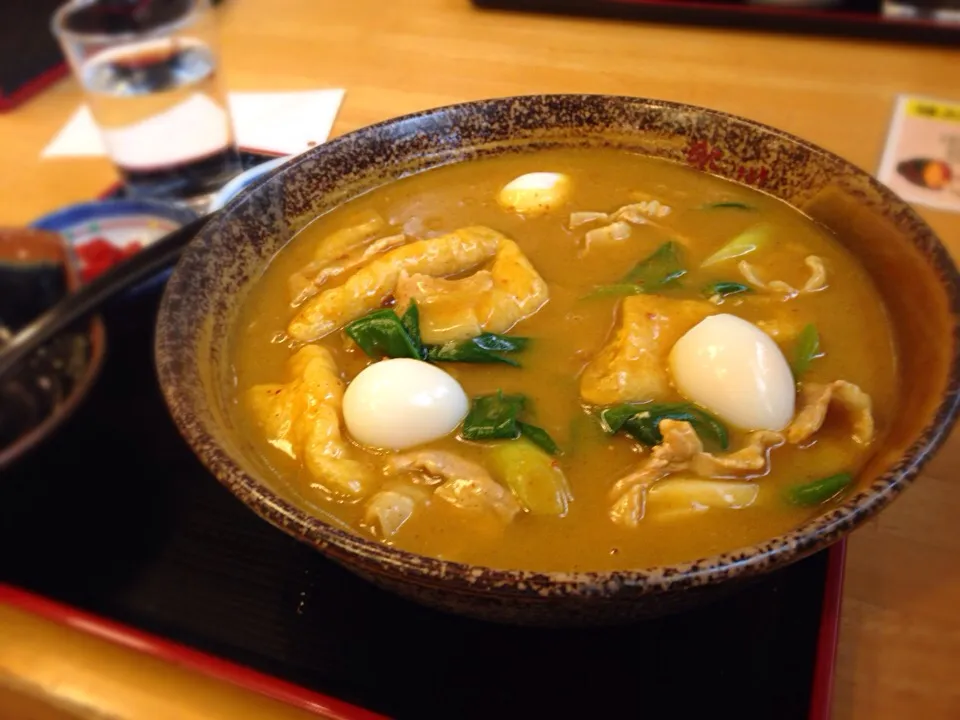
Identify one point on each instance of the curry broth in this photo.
(568, 331)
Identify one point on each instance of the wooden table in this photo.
(900, 644)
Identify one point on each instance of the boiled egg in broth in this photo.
(400, 403)
(732, 368)
(535, 193)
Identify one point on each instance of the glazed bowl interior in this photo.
(911, 270)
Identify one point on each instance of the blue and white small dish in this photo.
(104, 232)
(244, 180)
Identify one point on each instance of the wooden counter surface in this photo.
(899, 651)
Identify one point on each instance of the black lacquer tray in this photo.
(116, 517)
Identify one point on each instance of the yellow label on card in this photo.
(933, 110)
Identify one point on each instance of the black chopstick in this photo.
(143, 265)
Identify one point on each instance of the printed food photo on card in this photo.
(921, 160)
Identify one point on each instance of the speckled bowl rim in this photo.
(354, 549)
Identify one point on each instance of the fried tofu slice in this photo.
(449, 309)
(302, 418)
(632, 366)
(491, 300)
(306, 282)
(517, 290)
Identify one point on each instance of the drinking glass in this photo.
(148, 69)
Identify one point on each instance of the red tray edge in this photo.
(828, 637)
(183, 656)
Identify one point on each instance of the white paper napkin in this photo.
(278, 122)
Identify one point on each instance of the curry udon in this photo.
(565, 360)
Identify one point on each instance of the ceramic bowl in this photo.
(102, 233)
(244, 180)
(37, 269)
(890, 240)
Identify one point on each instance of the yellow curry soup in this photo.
(621, 272)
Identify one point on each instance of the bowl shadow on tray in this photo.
(478, 669)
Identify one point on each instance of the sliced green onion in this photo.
(493, 417)
(819, 491)
(655, 271)
(727, 204)
(723, 288)
(484, 348)
(540, 437)
(642, 421)
(743, 244)
(500, 343)
(411, 323)
(661, 268)
(382, 334)
(534, 477)
(807, 348)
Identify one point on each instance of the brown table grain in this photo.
(899, 651)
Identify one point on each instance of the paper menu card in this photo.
(921, 159)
